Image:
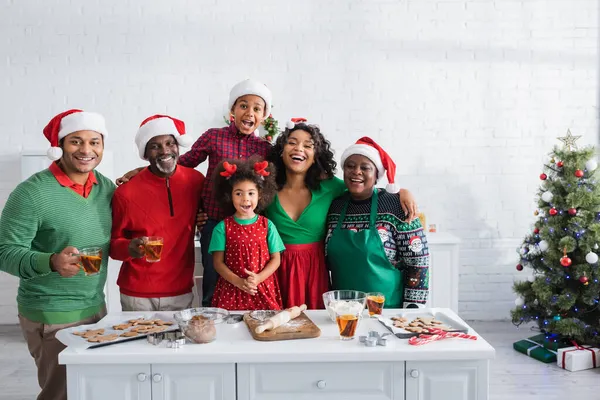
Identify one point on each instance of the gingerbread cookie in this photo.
(415, 329)
(399, 324)
(399, 319)
(160, 322)
(105, 338)
(129, 334)
(122, 327)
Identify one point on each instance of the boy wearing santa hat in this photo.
(249, 105)
(46, 221)
(369, 246)
(161, 201)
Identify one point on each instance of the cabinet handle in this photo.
(321, 384)
(141, 377)
(157, 378)
(414, 373)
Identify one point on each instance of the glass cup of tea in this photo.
(347, 317)
(153, 248)
(375, 301)
(90, 260)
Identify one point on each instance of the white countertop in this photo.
(234, 344)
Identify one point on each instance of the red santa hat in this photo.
(365, 146)
(250, 86)
(158, 125)
(68, 122)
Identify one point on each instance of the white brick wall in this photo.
(467, 96)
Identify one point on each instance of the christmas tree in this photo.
(563, 293)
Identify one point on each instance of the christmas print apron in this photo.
(246, 247)
(357, 260)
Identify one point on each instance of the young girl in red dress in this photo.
(245, 246)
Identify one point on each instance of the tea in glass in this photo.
(347, 324)
(375, 303)
(153, 248)
(90, 260)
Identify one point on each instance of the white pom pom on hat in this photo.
(68, 122)
(293, 121)
(365, 146)
(250, 86)
(158, 125)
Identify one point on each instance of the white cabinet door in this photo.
(193, 381)
(447, 380)
(315, 381)
(101, 382)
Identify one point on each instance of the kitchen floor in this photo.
(512, 375)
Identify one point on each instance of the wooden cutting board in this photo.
(300, 327)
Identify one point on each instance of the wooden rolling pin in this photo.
(280, 319)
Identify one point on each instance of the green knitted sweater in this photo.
(42, 217)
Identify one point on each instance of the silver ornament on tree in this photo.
(591, 165)
(519, 302)
(543, 245)
(591, 258)
(547, 196)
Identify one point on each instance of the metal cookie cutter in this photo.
(174, 339)
(155, 338)
(374, 338)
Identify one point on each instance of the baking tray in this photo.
(67, 337)
(455, 326)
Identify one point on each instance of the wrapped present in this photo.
(535, 350)
(578, 358)
(553, 342)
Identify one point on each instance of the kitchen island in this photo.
(235, 366)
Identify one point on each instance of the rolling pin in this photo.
(280, 319)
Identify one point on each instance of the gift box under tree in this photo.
(540, 347)
(578, 358)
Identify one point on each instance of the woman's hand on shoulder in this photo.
(409, 205)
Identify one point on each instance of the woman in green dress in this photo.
(307, 186)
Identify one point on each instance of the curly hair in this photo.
(267, 188)
(324, 166)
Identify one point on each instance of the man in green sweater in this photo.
(45, 222)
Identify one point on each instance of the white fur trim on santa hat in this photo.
(250, 86)
(82, 121)
(54, 153)
(368, 151)
(392, 188)
(158, 127)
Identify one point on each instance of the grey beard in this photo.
(166, 170)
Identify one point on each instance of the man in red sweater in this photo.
(162, 200)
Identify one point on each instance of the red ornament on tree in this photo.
(553, 211)
(536, 231)
(564, 260)
(579, 173)
(543, 177)
(519, 267)
(584, 279)
(572, 211)
(559, 164)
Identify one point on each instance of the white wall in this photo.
(467, 96)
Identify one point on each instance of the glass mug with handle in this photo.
(153, 247)
(90, 260)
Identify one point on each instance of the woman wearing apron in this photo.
(368, 245)
(307, 187)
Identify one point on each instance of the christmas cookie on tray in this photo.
(413, 323)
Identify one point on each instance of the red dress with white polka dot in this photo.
(246, 247)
